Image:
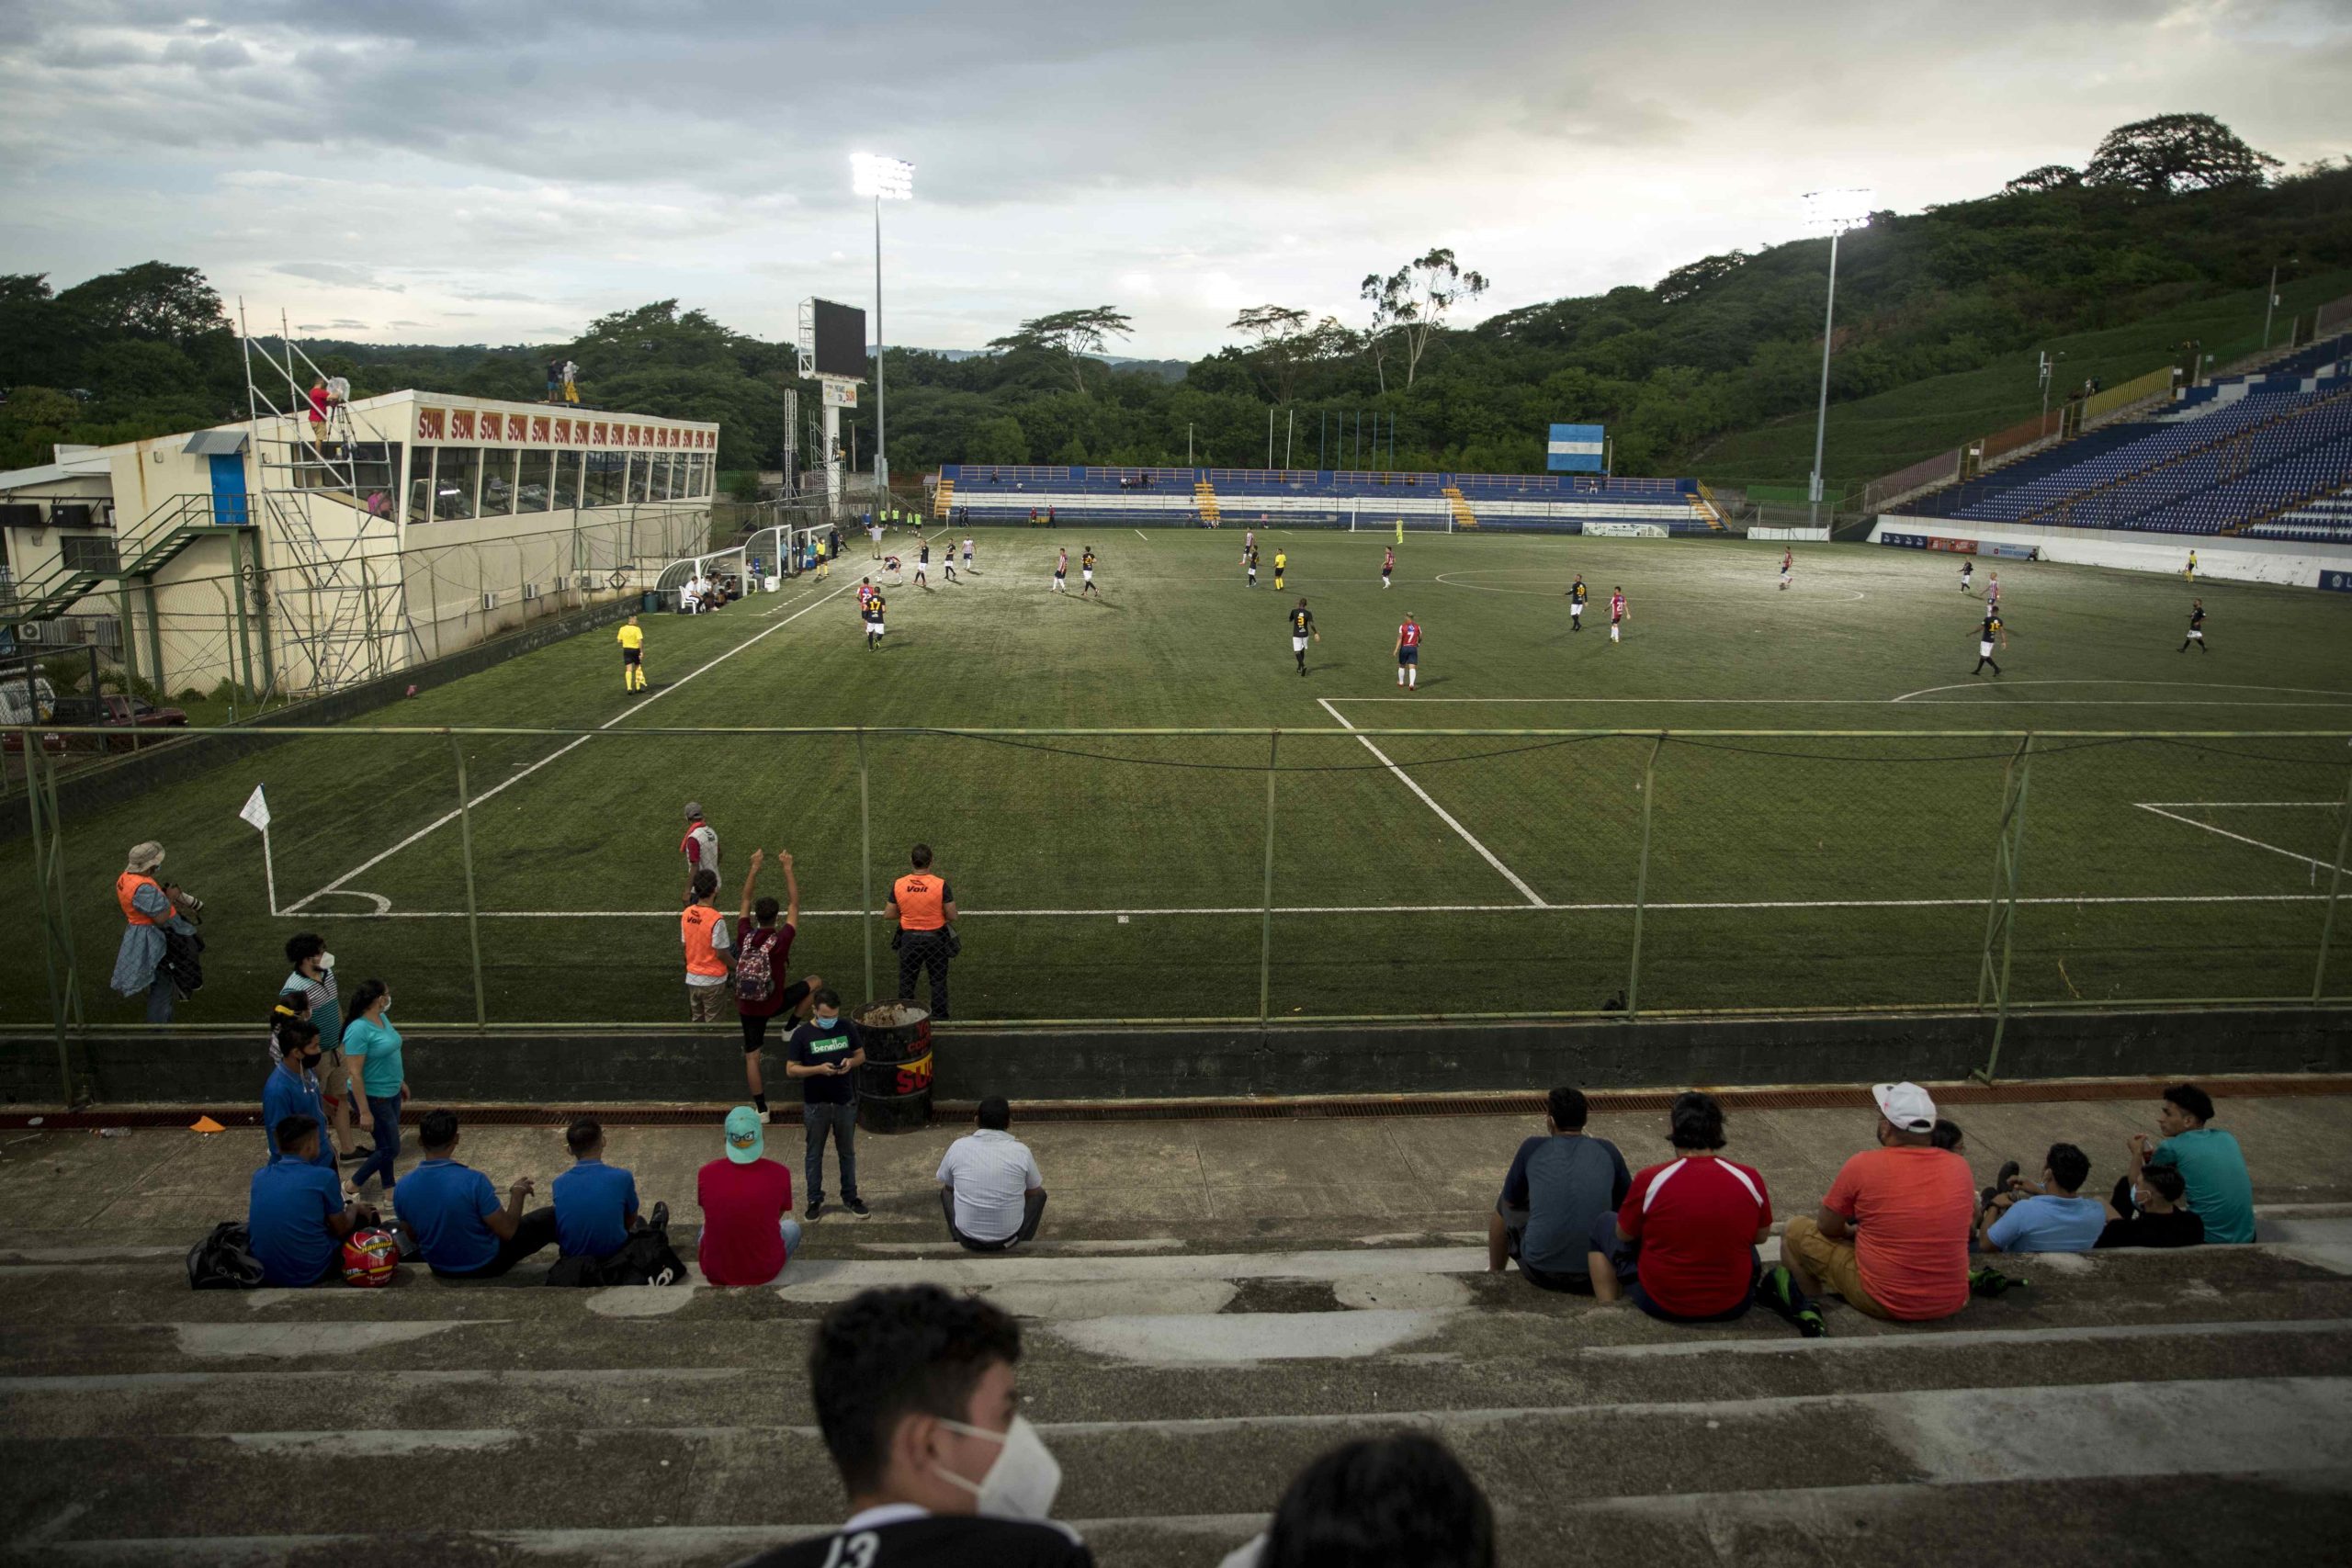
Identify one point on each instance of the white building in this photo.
(414, 524)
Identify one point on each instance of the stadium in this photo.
(1863, 758)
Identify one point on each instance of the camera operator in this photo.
(155, 912)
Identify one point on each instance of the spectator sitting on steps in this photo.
(296, 1215)
(2049, 1217)
(462, 1231)
(989, 1186)
(2150, 1209)
(1558, 1185)
(1892, 1235)
(2209, 1159)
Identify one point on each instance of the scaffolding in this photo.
(345, 610)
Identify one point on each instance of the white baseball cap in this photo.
(1906, 1105)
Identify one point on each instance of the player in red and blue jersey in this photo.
(1408, 653)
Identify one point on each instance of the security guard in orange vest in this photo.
(923, 904)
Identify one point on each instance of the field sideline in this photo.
(1414, 872)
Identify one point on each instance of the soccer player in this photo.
(1788, 565)
(1993, 591)
(1616, 613)
(2191, 573)
(1249, 560)
(922, 564)
(1061, 571)
(1967, 576)
(866, 591)
(1408, 653)
(1282, 564)
(1249, 540)
(2196, 627)
(1992, 628)
(1387, 565)
(1400, 530)
(947, 562)
(1578, 594)
(891, 565)
(968, 552)
(1086, 573)
(1302, 627)
(872, 614)
(632, 641)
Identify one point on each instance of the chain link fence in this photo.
(533, 876)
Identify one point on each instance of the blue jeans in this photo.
(840, 1120)
(161, 994)
(387, 1112)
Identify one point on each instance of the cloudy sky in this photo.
(464, 171)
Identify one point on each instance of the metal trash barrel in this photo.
(894, 1085)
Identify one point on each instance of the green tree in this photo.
(2176, 152)
(1074, 335)
(2048, 177)
(1413, 300)
(151, 300)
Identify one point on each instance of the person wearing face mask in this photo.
(917, 1399)
(372, 1047)
(1892, 1235)
(292, 1088)
(312, 981)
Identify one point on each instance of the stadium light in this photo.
(1831, 212)
(884, 180)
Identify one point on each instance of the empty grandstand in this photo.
(1327, 497)
(2259, 454)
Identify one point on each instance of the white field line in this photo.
(2240, 838)
(1444, 816)
(447, 818)
(1143, 536)
(1581, 909)
(1866, 702)
(2183, 685)
(2244, 804)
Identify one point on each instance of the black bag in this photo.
(645, 1258)
(224, 1260)
(955, 942)
(183, 961)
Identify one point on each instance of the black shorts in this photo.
(1408, 655)
(632, 656)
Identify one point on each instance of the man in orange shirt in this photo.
(703, 930)
(923, 904)
(1891, 1236)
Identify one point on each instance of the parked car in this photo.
(110, 710)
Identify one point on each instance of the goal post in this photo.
(1363, 519)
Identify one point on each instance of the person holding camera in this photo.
(153, 911)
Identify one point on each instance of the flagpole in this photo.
(269, 873)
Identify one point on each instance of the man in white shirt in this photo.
(988, 1184)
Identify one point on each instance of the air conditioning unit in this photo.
(563, 585)
(35, 631)
(104, 630)
(489, 601)
(530, 592)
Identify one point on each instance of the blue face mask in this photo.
(826, 1023)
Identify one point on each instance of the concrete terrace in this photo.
(1218, 1302)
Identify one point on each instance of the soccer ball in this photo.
(369, 1258)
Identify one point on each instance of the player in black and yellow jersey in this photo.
(872, 614)
(1086, 573)
(1282, 564)
(1578, 594)
(2196, 627)
(1302, 627)
(1249, 560)
(632, 641)
(1992, 629)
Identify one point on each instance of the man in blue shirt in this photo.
(2053, 1219)
(295, 1213)
(292, 1089)
(596, 1203)
(1558, 1185)
(462, 1231)
(2211, 1165)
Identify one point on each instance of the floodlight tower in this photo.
(1831, 212)
(884, 180)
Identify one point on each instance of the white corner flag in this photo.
(256, 811)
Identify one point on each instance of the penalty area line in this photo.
(1444, 815)
(2156, 810)
(565, 749)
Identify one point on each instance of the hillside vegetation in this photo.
(2167, 236)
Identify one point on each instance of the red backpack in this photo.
(754, 972)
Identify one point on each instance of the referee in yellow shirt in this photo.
(632, 641)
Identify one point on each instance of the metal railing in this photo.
(1250, 877)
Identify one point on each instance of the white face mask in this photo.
(1022, 1483)
(327, 961)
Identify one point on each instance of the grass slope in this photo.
(1785, 871)
(1875, 435)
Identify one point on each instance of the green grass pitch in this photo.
(1414, 874)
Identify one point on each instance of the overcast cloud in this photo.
(452, 171)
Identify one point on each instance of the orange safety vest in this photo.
(694, 927)
(126, 887)
(922, 902)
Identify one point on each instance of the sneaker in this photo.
(355, 1156)
(814, 1211)
(1809, 1322)
(659, 1219)
(1991, 1281)
(856, 1206)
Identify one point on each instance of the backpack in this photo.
(646, 1259)
(224, 1260)
(755, 968)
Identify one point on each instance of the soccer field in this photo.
(1826, 785)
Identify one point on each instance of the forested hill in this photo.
(1690, 373)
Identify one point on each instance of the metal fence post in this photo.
(1642, 880)
(1266, 927)
(466, 850)
(2335, 887)
(2000, 915)
(56, 911)
(865, 864)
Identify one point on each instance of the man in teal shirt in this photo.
(2210, 1163)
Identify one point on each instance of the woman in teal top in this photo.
(372, 1048)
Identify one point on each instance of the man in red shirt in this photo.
(748, 1231)
(1891, 1236)
(1691, 1227)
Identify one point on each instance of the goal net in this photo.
(1414, 517)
